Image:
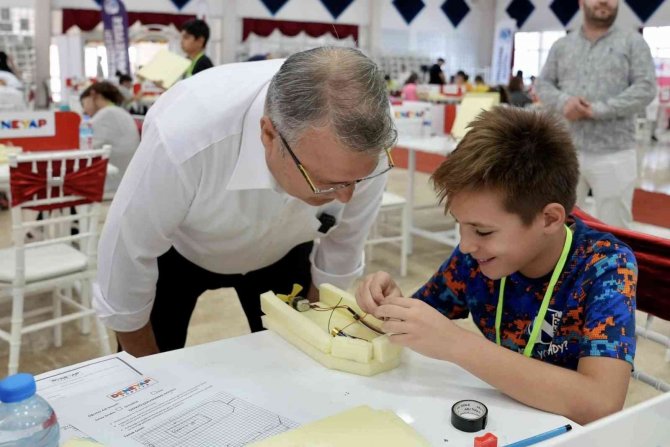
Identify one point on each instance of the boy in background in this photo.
(194, 37)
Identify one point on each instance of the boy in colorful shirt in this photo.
(540, 285)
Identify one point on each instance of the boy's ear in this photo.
(554, 217)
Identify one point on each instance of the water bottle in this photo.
(26, 420)
(85, 133)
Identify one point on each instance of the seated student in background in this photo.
(111, 125)
(554, 299)
(517, 94)
(480, 86)
(461, 79)
(408, 91)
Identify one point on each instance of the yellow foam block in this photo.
(277, 309)
(360, 426)
(351, 349)
(365, 352)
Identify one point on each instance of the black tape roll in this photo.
(469, 415)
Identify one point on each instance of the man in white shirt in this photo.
(239, 170)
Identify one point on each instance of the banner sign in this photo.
(501, 65)
(115, 21)
(27, 124)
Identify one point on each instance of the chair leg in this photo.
(15, 333)
(103, 337)
(85, 300)
(57, 313)
(404, 243)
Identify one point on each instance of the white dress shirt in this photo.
(199, 182)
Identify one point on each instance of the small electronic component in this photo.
(300, 304)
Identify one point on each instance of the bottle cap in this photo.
(17, 387)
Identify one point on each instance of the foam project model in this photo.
(333, 331)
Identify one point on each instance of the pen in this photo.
(541, 437)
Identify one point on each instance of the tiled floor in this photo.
(219, 315)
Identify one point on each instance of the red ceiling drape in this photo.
(87, 19)
(264, 27)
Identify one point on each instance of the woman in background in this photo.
(8, 72)
(409, 89)
(111, 125)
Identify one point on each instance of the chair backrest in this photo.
(66, 187)
(653, 262)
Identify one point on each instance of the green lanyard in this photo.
(189, 71)
(537, 325)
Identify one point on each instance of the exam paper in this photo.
(162, 408)
(60, 387)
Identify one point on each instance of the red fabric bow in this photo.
(88, 183)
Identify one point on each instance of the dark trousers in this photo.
(180, 283)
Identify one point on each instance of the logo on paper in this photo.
(132, 389)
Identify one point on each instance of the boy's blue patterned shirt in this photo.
(591, 312)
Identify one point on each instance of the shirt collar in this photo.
(251, 170)
(604, 36)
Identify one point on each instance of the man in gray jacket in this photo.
(599, 77)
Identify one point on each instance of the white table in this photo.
(265, 370)
(441, 145)
(4, 175)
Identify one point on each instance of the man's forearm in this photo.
(139, 343)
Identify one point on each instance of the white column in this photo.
(231, 33)
(374, 37)
(42, 43)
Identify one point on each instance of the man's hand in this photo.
(312, 293)
(418, 326)
(374, 289)
(577, 108)
(139, 343)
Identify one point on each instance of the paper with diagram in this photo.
(179, 407)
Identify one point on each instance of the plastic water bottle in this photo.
(85, 133)
(26, 420)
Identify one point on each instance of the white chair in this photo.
(378, 233)
(53, 183)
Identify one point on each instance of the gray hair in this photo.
(337, 87)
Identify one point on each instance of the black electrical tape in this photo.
(469, 415)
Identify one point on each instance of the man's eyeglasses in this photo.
(338, 186)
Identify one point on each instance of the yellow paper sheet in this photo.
(472, 105)
(166, 67)
(360, 426)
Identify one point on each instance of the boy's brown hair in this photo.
(528, 156)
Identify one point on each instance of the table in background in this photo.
(441, 145)
(264, 369)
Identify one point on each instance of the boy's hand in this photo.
(418, 326)
(374, 289)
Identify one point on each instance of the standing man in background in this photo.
(599, 78)
(436, 73)
(194, 37)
